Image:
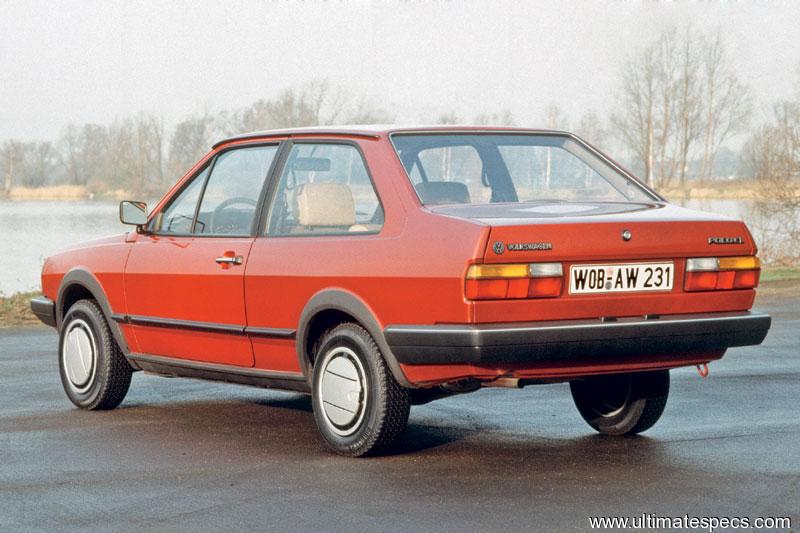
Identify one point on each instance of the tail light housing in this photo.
(722, 273)
(514, 281)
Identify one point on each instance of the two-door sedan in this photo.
(375, 268)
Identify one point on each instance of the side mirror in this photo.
(133, 213)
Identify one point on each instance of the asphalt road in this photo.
(193, 455)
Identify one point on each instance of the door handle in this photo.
(230, 260)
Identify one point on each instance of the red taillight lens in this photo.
(746, 279)
(489, 289)
(700, 281)
(545, 287)
(514, 281)
(724, 273)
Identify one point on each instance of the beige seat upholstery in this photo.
(325, 205)
(365, 228)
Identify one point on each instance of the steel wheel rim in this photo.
(342, 391)
(79, 355)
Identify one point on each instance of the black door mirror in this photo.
(133, 213)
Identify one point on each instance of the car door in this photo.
(323, 209)
(184, 279)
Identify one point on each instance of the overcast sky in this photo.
(93, 61)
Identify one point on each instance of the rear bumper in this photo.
(45, 310)
(560, 341)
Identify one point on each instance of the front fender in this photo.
(80, 277)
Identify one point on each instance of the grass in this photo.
(779, 274)
(15, 310)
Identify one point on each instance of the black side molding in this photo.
(575, 341)
(211, 327)
(45, 310)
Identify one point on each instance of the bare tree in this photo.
(676, 94)
(554, 118)
(772, 156)
(364, 112)
(10, 157)
(501, 118)
(72, 145)
(635, 120)
(38, 163)
(315, 103)
(190, 139)
(727, 102)
(448, 118)
(688, 106)
(147, 146)
(591, 128)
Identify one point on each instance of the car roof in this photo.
(377, 131)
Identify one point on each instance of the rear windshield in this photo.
(487, 168)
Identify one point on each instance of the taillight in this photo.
(722, 273)
(523, 280)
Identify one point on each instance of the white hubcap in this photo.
(342, 390)
(79, 355)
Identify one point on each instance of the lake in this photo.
(32, 230)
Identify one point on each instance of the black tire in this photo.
(622, 404)
(104, 382)
(347, 359)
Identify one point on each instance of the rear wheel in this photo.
(94, 373)
(358, 405)
(622, 404)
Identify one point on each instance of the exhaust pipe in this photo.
(508, 383)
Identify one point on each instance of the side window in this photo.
(178, 216)
(229, 202)
(325, 189)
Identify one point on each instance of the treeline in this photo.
(679, 101)
(139, 154)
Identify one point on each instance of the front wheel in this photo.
(94, 373)
(622, 404)
(358, 405)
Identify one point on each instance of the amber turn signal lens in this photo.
(739, 263)
(497, 271)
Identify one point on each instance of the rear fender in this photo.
(345, 302)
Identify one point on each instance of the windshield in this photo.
(457, 168)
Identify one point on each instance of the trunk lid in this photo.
(572, 232)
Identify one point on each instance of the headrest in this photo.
(442, 192)
(325, 204)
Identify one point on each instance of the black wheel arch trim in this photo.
(86, 280)
(345, 302)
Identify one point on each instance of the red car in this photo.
(376, 268)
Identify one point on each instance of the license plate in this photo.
(585, 279)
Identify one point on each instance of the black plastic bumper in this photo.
(45, 310)
(541, 342)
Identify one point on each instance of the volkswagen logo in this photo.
(626, 235)
(498, 247)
